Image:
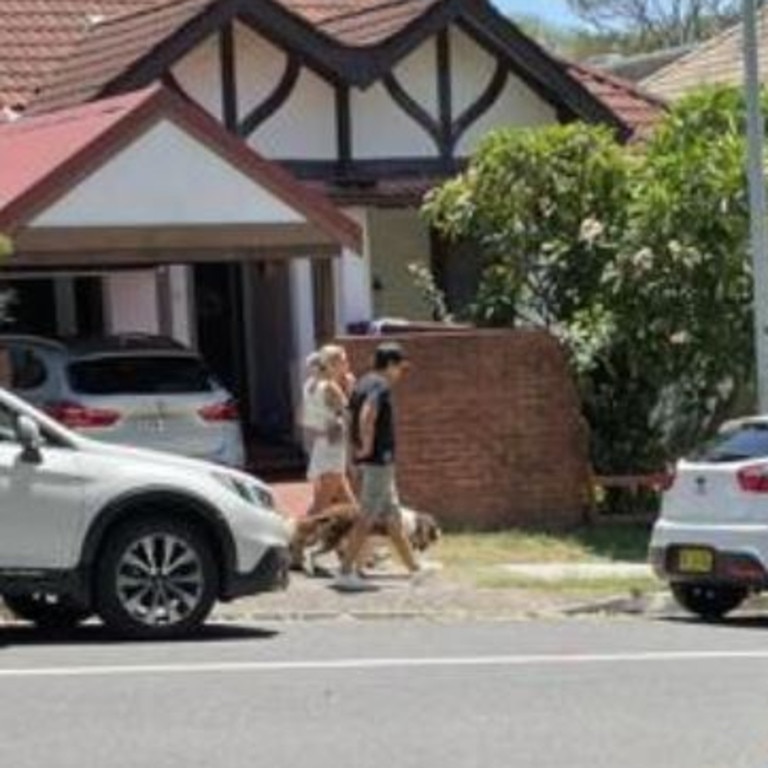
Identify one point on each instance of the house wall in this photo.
(490, 433)
(472, 69)
(352, 278)
(398, 238)
(380, 128)
(198, 74)
(304, 128)
(131, 302)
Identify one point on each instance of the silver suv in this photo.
(130, 389)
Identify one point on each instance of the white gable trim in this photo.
(166, 177)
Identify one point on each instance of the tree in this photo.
(636, 258)
(535, 202)
(658, 23)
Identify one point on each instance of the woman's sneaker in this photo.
(351, 582)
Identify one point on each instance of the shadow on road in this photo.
(750, 621)
(96, 634)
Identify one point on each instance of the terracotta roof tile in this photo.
(37, 35)
(719, 61)
(110, 47)
(634, 106)
(359, 23)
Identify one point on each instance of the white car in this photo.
(130, 389)
(147, 541)
(711, 540)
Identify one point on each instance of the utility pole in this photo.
(757, 199)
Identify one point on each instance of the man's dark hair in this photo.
(389, 353)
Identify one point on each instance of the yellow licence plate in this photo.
(695, 560)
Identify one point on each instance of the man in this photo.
(373, 442)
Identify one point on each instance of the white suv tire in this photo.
(156, 578)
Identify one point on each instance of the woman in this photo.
(327, 401)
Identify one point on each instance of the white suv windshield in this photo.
(140, 375)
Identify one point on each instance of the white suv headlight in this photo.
(247, 491)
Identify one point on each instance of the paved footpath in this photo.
(393, 596)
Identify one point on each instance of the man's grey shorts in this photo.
(378, 493)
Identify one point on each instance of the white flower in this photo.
(591, 229)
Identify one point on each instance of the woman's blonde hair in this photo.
(329, 354)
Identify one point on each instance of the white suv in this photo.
(130, 389)
(147, 541)
(711, 541)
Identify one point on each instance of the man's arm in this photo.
(368, 414)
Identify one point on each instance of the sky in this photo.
(551, 10)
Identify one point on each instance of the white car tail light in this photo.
(77, 416)
(226, 411)
(753, 479)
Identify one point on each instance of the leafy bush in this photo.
(637, 258)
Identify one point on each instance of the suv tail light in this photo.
(754, 479)
(77, 416)
(226, 411)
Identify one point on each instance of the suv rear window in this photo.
(140, 375)
(747, 441)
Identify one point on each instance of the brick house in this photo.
(366, 103)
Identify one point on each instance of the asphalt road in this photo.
(581, 694)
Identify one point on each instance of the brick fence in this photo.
(489, 429)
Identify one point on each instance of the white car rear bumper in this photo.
(739, 552)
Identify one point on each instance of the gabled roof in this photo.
(56, 53)
(719, 61)
(634, 105)
(43, 157)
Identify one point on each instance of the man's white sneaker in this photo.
(426, 569)
(351, 582)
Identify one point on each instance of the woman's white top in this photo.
(326, 457)
(315, 412)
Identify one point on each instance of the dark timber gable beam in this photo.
(360, 67)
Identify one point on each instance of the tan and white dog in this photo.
(327, 532)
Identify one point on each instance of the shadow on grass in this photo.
(615, 541)
(97, 634)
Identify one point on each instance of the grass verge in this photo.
(594, 544)
(474, 558)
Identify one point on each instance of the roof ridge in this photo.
(147, 10)
(617, 80)
(367, 9)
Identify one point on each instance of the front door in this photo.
(41, 504)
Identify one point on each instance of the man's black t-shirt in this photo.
(374, 388)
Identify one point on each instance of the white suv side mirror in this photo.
(30, 438)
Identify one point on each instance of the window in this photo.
(747, 441)
(140, 375)
(28, 369)
(7, 425)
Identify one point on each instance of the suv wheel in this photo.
(52, 612)
(156, 579)
(709, 601)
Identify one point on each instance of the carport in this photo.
(150, 193)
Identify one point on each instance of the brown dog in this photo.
(327, 532)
